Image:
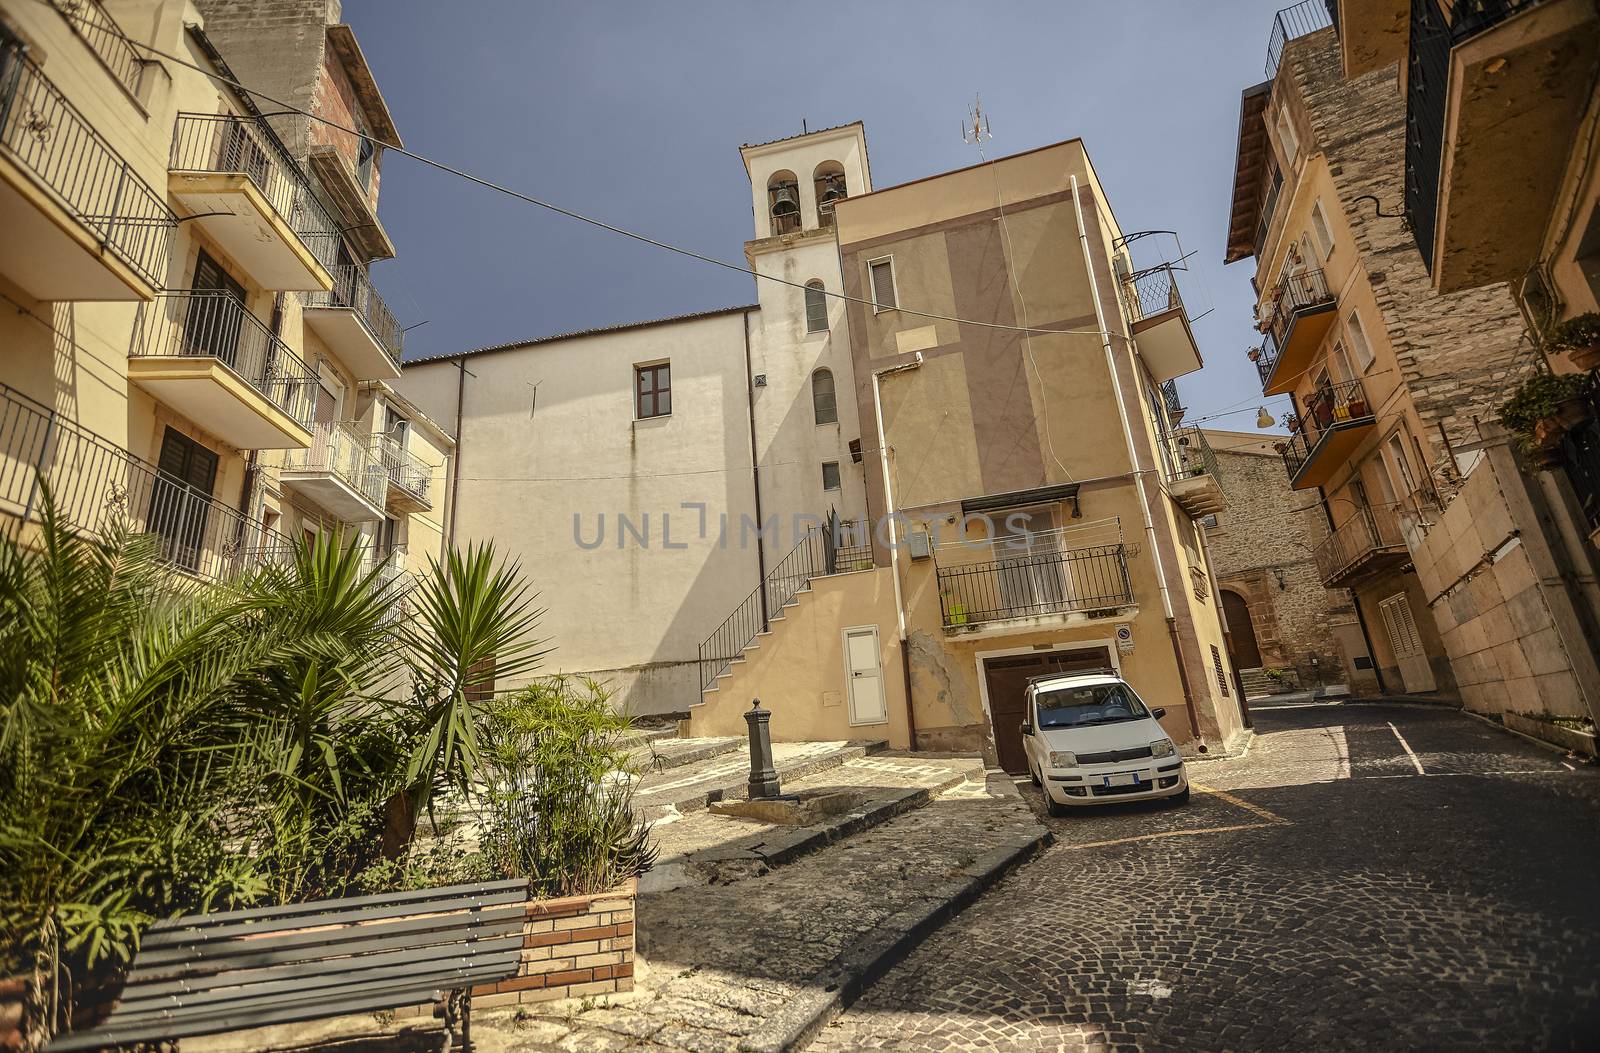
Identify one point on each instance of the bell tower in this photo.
(795, 182)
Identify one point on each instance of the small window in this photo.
(823, 403)
(816, 308)
(652, 390)
(1286, 136)
(1358, 339)
(882, 272)
(830, 475)
(1320, 230)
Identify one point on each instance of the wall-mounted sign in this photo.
(1124, 638)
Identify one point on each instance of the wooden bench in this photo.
(205, 974)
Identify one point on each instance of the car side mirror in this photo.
(1027, 729)
(1160, 713)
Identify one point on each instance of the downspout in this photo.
(755, 474)
(894, 538)
(1138, 472)
(455, 459)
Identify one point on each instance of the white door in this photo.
(1415, 672)
(863, 668)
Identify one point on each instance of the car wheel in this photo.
(1182, 798)
(1056, 810)
(1034, 775)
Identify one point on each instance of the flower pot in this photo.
(1255, 354)
(1585, 357)
(1358, 408)
(1324, 413)
(1568, 415)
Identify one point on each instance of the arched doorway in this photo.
(1246, 652)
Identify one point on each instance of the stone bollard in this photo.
(763, 776)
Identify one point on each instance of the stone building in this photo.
(1280, 615)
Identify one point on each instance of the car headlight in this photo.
(1063, 760)
(1162, 748)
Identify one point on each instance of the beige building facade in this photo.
(195, 343)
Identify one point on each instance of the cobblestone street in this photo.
(1367, 876)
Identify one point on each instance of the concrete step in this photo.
(688, 788)
(702, 848)
(659, 755)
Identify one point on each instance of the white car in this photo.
(1090, 739)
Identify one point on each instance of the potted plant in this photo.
(1255, 354)
(1579, 339)
(1323, 408)
(1290, 421)
(1544, 408)
(1357, 405)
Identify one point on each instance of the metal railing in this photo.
(1373, 529)
(92, 22)
(212, 323)
(1171, 401)
(338, 449)
(47, 135)
(1579, 452)
(1297, 20)
(393, 581)
(401, 467)
(1151, 292)
(1325, 410)
(1295, 293)
(221, 142)
(1040, 580)
(352, 288)
(1190, 456)
(96, 485)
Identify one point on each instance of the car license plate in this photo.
(1125, 778)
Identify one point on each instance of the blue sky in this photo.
(634, 112)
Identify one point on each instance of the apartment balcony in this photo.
(1171, 401)
(355, 323)
(98, 486)
(408, 478)
(1336, 420)
(78, 223)
(338, 473)
(1372, 33)
(1160, 325)
(348, 191)
(203, 353)
(1370, 541)
(102, 35)
(1495, 94)
(237, 182)
(1191, 471)
(1296, 20)
(1032, 582)
(1294, 320)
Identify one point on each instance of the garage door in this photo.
(1007, 678)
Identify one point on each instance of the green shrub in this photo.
(1539, 398)
(1575, 333)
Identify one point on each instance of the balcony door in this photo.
(215, 322)
(1030, 569)
(180, 500)
(243, 152)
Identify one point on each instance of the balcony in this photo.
(337, 473)
(1293, 21)
(1370, 541)
(1032, 581)
(355, 323)
(97, 486)
(1337, 419)
(238, 183)
(1495, 94)
(1172, 403)
(102, 35)
(203, 353)
(1160, 326)
(1191, 471)
(1294, 320)
(408, 476)
(78, 223)
(1372, 33)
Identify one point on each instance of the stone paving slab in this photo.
(690, 787)
(760, 964)
(664, 754)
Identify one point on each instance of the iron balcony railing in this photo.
(1295, 293)
(221, 142)
(212, 323)
(339, 450)
(1148, 293)
(1371, 531)
(352, 288)
(1171, 401)
(401, 467)
(1297, 20)
(1190, 456)
(94, 24)
(96, 485)
(393, 581)
(46, 135)
(1326, 409)
(1042, 578)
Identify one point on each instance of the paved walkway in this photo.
(1365, 877)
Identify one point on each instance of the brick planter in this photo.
(573, 947)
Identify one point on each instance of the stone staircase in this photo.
(727, 677)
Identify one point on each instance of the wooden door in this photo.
(1007, 682)
(1415, 671)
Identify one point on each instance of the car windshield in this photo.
(1088, 704)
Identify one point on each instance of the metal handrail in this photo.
(1296, 292)
(49, 137)
(401, 467)
(1151, 292)
(91, 21)
(213, 323)
(1294, 21)
(1369, 530)
(1191, 456)
(96, 484)
(1171, 400)
(352, 288)
(225, 142)
(1325, 410)
(338, 449)
(1034, 583)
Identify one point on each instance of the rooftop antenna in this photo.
(803, 129)
(975, 132)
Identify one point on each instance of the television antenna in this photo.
(975, 132)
